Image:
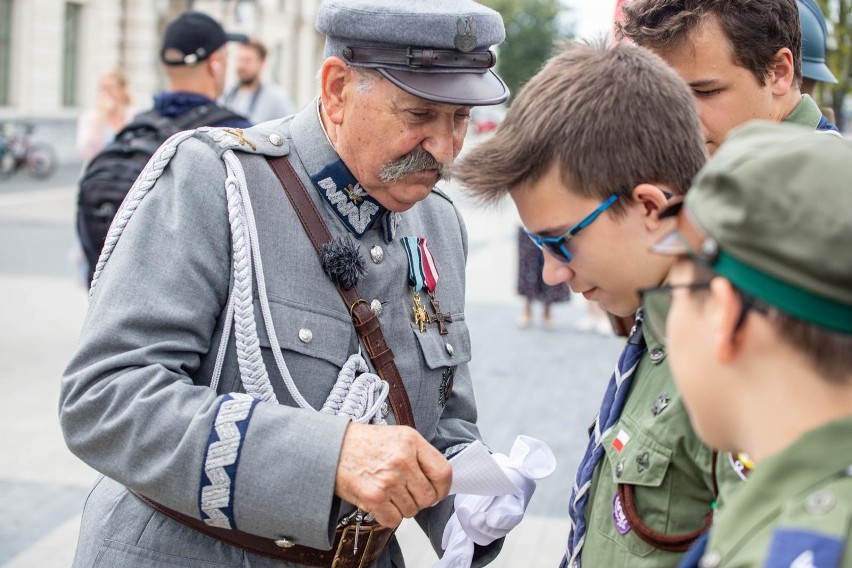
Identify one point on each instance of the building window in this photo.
(5, 50)
(70, 55)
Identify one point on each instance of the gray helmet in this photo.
(814, 34)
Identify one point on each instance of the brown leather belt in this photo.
(372, 542)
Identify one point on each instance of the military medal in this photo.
(423, 275)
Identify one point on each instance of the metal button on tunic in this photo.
(657, 355)
(820, 503)
(377, 254)
(619, 469)
(276, 140)
(376, 307)
(306, 335)
(450, 349)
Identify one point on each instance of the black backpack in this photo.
(109, 176)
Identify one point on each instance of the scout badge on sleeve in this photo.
(423, 275)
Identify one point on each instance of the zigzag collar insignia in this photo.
(355, 208)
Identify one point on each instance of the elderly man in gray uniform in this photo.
(220, 385)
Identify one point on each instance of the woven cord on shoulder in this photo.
(366, 323)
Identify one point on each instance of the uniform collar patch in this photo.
(347, 198)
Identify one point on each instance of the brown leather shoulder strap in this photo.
(366, 323)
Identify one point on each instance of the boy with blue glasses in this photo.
(591, 151)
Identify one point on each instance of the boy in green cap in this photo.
(759, 308)
(591, 151)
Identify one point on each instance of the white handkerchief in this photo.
(476, 473)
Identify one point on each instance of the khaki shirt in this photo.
(795, 510)
(671, 473)
(806, 113)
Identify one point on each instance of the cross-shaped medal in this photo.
(238, 132)
(438, 317)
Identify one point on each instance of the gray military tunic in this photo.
(136, 402)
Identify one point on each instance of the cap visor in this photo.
(470, 89)
(242, 38)
(818, 72)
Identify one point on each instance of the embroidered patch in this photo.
(216, 497)
(621, 440)
(347, 198)
(803, 549)
(622, 525)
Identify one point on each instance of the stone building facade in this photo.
(53, 51)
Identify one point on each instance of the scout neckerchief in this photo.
(423, 275)
(610, 412)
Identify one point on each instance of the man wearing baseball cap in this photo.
(759, 325)
(238, 415)
(195, 60)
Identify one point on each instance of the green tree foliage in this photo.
(532, 30)
(838, 13)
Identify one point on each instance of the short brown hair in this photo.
(610, 117)
(258, 46)
(756, 29)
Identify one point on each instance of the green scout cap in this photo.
(772, 212)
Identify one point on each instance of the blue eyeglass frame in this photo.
(556, 245)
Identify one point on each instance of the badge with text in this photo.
(423, 275)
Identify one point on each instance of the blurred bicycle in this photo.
(19, 153)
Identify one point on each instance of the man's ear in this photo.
(334, 75)
(653, 199)
(726, 305)
(782, 74)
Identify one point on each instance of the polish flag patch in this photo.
(621, 440)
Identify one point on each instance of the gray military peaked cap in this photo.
(438, 50)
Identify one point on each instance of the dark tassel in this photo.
(342, 262)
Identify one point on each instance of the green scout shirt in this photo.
(806, 113)
(669, 468)
(795, 510)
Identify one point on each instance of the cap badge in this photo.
(465, 40)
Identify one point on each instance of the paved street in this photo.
(543, 383)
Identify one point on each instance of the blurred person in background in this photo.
(814, 46)
(258, 100)
(98, 126)
(532, 287)
(741, 58)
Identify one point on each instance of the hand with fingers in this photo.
(390, 471)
